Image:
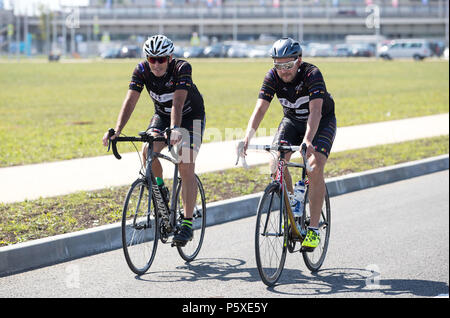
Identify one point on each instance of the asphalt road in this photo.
(387, 241)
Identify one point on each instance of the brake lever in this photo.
(113, 143)
(168, 131)
(111, 132)
(305, 160)
(240, 154)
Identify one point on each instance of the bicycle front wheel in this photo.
(271, 235)
(190, 251)
(315, 259)
(139, 228)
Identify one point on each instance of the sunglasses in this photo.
(285, 66)
(160, 60)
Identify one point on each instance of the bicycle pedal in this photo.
(307, 249)
(178, 243)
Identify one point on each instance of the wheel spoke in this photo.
(190, 251)
(139, 230)
(269, 241)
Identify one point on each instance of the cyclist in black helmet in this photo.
(308, 118)
(178, 105)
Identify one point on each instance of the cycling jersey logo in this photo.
(317, 91)
(139, 85)
(169, 83)
(163, 98)
(300, 101)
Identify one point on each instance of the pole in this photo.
(446, 23)
(26, 43)
(300, 22)
(17, 37)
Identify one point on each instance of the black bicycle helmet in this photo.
(286, 47)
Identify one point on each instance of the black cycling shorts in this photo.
(192, 129)
(292, 132)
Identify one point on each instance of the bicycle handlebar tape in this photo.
(112, 132)
(114, 148)
(168, 132)
(304, 147)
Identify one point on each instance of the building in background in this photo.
(87, 26)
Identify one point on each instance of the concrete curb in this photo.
(60, 248)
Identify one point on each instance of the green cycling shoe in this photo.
(311, 241)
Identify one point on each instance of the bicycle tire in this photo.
(190, 251)
(140, 232)
(274, 235)
(314, 260)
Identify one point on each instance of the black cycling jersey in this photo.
(161, 89)
(307, 85)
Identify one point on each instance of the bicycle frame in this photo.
(279, 178)
(149, 177)
(169, 207)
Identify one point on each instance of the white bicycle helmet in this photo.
(158, 45)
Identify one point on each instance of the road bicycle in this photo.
(150, 214)
(277, 230)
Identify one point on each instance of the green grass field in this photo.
(56, 111)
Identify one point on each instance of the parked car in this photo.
(238, 49)
(259, 51)
(130, 51)
(320, 50)
(417, 49)
(178, 51)
(193, 51)
(445, 53)
(126, 51)
(362, 50)
(112, 53)
(216, 50)
(342, 50)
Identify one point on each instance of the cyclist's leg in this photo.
(322, 143)
(188, 188)
(192, 131)
(287, 175)
(156, 165)
(287, 134)
(316, 186)
(192, 134)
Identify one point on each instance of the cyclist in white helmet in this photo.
(179, 105)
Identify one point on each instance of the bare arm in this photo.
(260, 110)
(125, 113)
(179, 98)
(315, 114)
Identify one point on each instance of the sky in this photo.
(30, 7)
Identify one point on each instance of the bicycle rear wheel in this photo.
(315, 259)
(271, 235)
(190, 251)
(139, 228)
